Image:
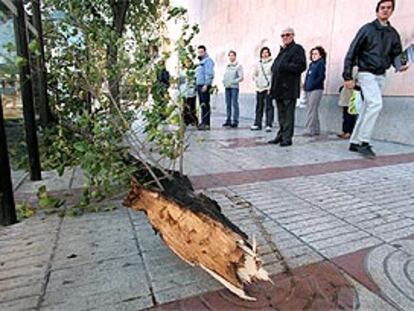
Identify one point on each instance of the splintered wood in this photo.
(201, 238)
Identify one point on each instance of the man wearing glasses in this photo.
(373, 50)
(285, 85)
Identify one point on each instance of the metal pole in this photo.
(7, 207)
(27, 93)
(44, 111)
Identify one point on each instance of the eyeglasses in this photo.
(285, 35)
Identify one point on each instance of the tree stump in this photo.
(194, 228)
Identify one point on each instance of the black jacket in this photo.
(373, 49)
(286, 71)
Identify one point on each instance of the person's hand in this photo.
(350, 84)
(204, 89)
(404, 67)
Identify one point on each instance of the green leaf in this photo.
(21, 61)
(80, 146)
(42, 192)
(34, 47)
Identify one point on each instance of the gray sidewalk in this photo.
(319, 203)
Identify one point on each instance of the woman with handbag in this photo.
(262, 75)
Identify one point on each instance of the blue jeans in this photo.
(204, 101)
(232, 103)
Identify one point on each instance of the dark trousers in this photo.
(264, 101)
(232, 105)
(349, 121)
(286, 117)
(189, 111)
(204, 101)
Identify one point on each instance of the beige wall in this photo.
(247, 25)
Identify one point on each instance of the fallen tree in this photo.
(104, 59)
(194, 228)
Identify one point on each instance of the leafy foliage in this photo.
(104, 60)
(24, 210)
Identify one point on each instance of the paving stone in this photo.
(28, 303)
(385, 265)
(22, 272)
(340, 239)
(350, 247)
(129, 305)
(127, 270)
(21, 292)
(368, 300)
(17, 178)
(9, 262)
(51, 180)
(326, 234)
(183, 292)
(396, 234)
(15, 282)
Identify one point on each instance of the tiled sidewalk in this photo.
(344, 224)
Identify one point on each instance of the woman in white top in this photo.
(261, 77)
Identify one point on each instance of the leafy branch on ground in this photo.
(104, 60)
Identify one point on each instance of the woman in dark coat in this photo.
(314, 85)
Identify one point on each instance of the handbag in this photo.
(355, 103)
(264, 73)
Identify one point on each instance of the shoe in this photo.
(203, 127)
(234, 125)
(268, 129)
(354, 147)
(275, 141)
(191, 126)
(286, 144)
(366, 151)
(226, 124)
(344, 136)
(255, 128)
(307, 135)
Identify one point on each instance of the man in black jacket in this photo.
(373, 50)
(285, 85)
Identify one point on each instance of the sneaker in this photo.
(226, 124)
(268, 129)
(354, 147)
(203, 127)
(255, 128)
(366, 151)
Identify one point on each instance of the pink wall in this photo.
(247, 25)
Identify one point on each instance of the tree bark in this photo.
(119, 10)
(194, 228)
(43, 102)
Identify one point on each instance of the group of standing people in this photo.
(371, 53)
(278, 79)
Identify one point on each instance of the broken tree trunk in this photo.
(194, 228)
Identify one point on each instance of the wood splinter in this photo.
(194, 228)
